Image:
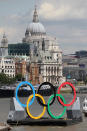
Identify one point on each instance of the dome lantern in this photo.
(35, 16)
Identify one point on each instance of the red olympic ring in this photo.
(62, 85)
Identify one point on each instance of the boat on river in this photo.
(85, 106)
(9, 91)
(24, 91)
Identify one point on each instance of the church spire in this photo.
(35, 16)
(4, 40)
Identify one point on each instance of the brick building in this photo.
(34, 73)
(20, 67)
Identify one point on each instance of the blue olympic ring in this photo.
(16, 93)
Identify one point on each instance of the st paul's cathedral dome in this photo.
(35, 27)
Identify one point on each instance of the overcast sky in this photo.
(64, 19)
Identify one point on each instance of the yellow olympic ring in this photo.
(38, 117)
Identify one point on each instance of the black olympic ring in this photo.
(53, 90)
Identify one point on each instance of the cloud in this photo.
(64, 19)
(71, 34)
(63, 9)
(14, 26)
(14, 34)
(1, 30)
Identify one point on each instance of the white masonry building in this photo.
(7, 66)
(45, 51)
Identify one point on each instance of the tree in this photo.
(3, 79)
(6, 80)
(19, 77)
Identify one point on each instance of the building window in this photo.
(49, 79)
(48, 69)
(39, 70)
(57, 70)
(43, 45)
(54, 69)
(48, 57)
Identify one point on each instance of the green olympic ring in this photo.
(48, 107)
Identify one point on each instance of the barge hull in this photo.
(45, 122)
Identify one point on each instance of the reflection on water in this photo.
(36, 110)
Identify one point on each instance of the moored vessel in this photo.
(85, 106)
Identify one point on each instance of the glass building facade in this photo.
(19, 49)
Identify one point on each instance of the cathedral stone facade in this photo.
(45, 51)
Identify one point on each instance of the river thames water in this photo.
(36, 109)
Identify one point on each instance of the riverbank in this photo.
(4, 127)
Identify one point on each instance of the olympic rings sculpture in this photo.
(42, 101)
